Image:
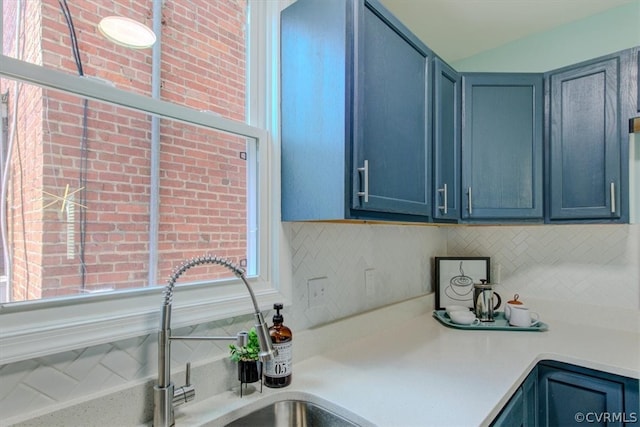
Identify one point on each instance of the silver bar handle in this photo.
(444, 206)
(187, 392)
(612, 189)
(470, 208)
(365, 172)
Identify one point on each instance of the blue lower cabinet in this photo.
(557, 394)
(521, 410)
(513, 413)
(571, 395)
(530, 394)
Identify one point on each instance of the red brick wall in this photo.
(202, 180)
(24, 218)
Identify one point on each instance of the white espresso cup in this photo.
(464, 317)
(523, 317)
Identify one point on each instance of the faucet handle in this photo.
(187, 392)
(242, 338)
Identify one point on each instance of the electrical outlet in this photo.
(497, 277)
(318, 289)
(370, 282)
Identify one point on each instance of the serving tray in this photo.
(500, 323)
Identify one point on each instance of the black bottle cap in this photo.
(277, 318)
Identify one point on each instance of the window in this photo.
(110, 186)
(79, 201)
(203, 47)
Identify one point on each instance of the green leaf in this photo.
(248, 352)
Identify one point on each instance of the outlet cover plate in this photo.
(370, 282)
(318, 289)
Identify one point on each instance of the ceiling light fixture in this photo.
(127, 32)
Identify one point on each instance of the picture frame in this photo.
(454, 279)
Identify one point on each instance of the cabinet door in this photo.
(502, 146)
(513, 413)
(638, 81)
(530, 399)
(521, 410)
(566, 396)
(446, 143)
(314, 107)
(391, 117)
(584, 142)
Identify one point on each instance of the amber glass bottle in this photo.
(277, 372)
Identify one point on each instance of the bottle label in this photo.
(280, 366)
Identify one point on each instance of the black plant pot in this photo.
(248, 372)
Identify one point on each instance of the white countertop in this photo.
(407, 369)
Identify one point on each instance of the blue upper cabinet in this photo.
(391, 117)
(502, 130)
(360, 139)
(355, 114)
(637, 55)
(584, 143)
(447, 84)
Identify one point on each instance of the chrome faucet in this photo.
(165, 395)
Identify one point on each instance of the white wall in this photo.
(398, 256)
(611, 31)
(591, 264)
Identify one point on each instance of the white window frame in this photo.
(37, 328)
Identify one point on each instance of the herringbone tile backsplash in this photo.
(584, 263)
(398, 256)
(592, 264)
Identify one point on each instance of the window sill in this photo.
(64, 325)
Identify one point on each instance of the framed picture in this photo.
(454, 279)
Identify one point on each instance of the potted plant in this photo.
(247, 358)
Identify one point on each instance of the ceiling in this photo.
(457, 29)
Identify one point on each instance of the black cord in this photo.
(24, 225)
(72, 34)
(84, 146)
(21, 177)
(84, 155)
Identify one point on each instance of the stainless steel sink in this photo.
(292, 413)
